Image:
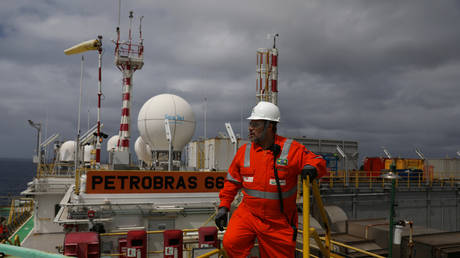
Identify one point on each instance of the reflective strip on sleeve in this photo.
(230, 178)
(247, 156)
(286, 147)
(270, 195)
(319, 157)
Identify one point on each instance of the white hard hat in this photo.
(265, 111)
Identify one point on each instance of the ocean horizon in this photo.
(15, 173)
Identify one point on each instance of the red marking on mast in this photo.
(124, 127)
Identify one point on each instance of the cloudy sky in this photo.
(383, 73)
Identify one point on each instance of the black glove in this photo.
(221, 218)
(309, 171)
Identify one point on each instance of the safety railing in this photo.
(16, 241)
(373, 179)
(55, 170)
(20, 211)
(325, 243)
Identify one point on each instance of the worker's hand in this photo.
(221, 218)
(309, 171)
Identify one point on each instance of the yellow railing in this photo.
(324, 243)
(361, 179)
(16, 241)
(354, 248)
(20, 210)
(19, 207)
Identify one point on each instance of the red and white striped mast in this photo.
(267, 73)
(129, 57)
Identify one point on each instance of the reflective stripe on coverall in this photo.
(259, 213)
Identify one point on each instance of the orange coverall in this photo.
(259, 213)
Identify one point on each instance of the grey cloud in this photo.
(379, 72)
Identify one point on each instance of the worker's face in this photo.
(256, 130)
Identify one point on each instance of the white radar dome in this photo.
(143, 151)
(112, 143)
(67, 151)
(151, 122)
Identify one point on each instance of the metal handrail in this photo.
(367, 179)
(326, 248)
(354, 248)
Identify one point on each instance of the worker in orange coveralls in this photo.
(268, 210)
(3, 229)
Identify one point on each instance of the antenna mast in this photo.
(267, 73)
(419, 153)
(129, 57)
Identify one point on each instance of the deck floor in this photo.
(45, 242)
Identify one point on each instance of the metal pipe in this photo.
(135, 203)
(306, 217)
(170, 155)
(392, 213)
(205, 111)
(372, 225)
(37, 126)
(319, 203)
(39, 152)
(77, 145)
(26, 252)
(350, 195)
(99, 94)
(209, 254)
(354, 248)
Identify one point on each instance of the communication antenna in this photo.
(169, 138)
(119, 12)
(205, 115)
(387, 153)
(88, 136)
(230, 132)
(419, 153)
(342, 153)
(49, 140)
(274, 39)
(267, 73)
(140, 29)
(344, 156)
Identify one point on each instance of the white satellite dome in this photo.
(87, 153)
(143, 151)
(151, 122)
(67, 151)
(112, 143)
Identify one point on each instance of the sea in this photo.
(14, 176)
